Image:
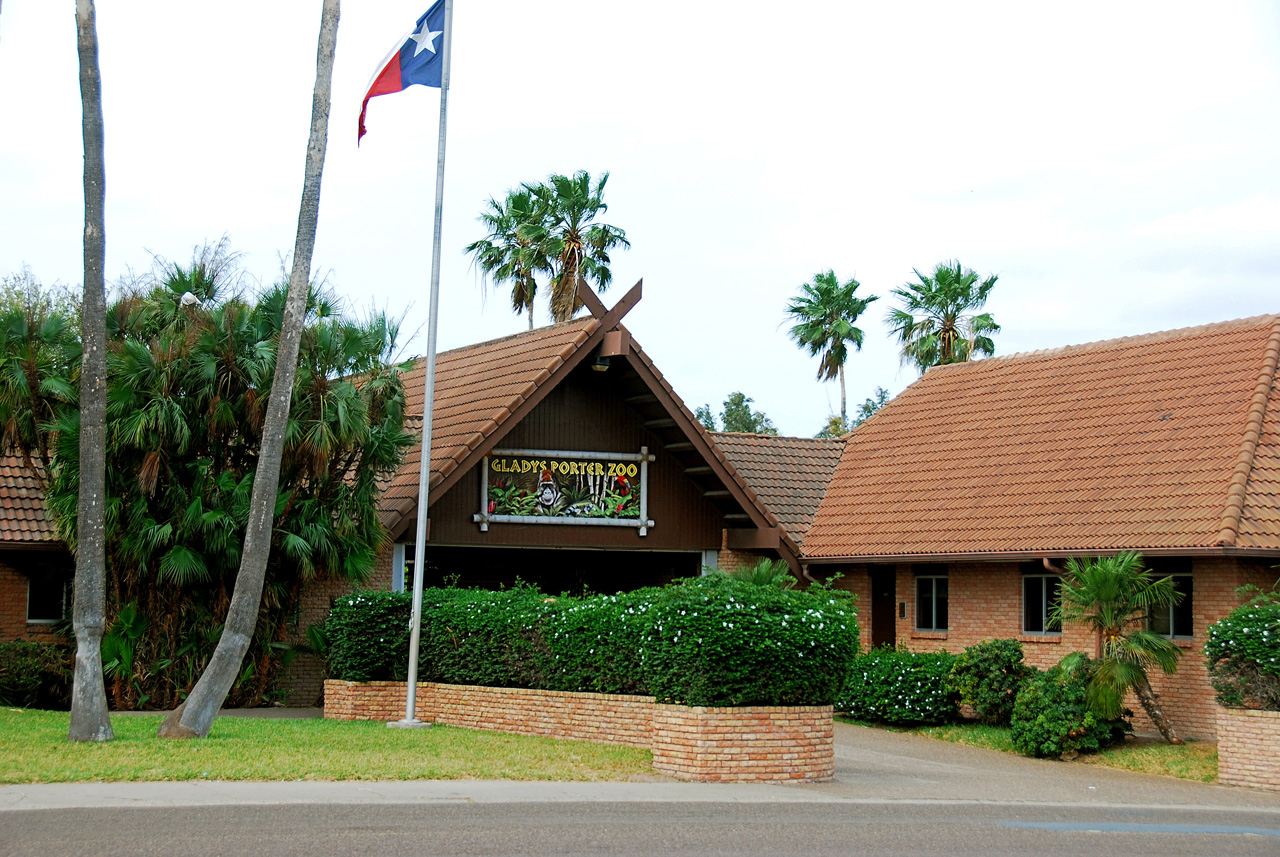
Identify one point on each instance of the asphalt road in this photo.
(893, 795)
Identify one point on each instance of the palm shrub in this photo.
(1052, 714)
(987, 678)
(1243, 652)
(187, 387)
(765, 572)
(899, 686)
(1113, 596)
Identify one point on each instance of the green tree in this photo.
(1113, 596)
(565, 232)
(509, 253)
(938, 321)
(878, 399)
(824, 316)
(188, 385)
(703, 414)
(737, 416)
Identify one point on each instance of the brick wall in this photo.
(304, 678)
(792, 744)
(985, 603)
(731, 560)
(703, 744)
(1249, 748)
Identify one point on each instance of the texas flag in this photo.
(416, 58)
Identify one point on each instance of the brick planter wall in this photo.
(703, 744)
(1249, 748)
(792, 744)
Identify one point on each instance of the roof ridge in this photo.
(490, 342)
(771, 436)
(1099, 344)
(1236, 490)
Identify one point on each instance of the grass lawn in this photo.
(1195, 760)
(34, 749)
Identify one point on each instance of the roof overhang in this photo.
(1023, 555)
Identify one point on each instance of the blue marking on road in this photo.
(1118, 827)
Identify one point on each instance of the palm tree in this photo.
(89, 719)
(1113, 596)
(508, 253)
(825, 314)
(936, 323)
(576, 248)
(195, 717)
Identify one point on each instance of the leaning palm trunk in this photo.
(195, 717)
(89, 718)
(1150, 702)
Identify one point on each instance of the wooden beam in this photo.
(716, 494)
(679, 446)
(644, 399)
(768, 538)
(663, 422)
(590, 300)
(697, 471)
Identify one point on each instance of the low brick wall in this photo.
(789, 744)
(1249, 748)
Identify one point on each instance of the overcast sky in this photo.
(1114, 163)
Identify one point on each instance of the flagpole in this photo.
(429, 392)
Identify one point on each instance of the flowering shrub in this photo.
(1051, 715)
(898, 686)
(988, 677)
(706, 641)
(1243, 651)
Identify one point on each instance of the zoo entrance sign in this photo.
(544, 486)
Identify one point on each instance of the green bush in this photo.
(988, 677)
(1243, 651)
(1051, 716)
(368, 634)
(898, 686)
(708, 641)
(35, 675)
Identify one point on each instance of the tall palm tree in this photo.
(1113, 596)
(825, 313)
(89, 719)
(938, 321)
(576, 247)
(195, 717)
(508, 254)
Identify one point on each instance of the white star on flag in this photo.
(425, 39)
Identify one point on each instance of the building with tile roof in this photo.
(952, 508)
(35, 568)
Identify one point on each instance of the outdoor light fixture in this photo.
(600, 365)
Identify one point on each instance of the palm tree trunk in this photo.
(531, 314)
(89, 718)
(1150, 702)
(844, 413)
(195, 717)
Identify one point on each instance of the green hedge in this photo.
(1243, 651)
(35, 675)
(706, 641)
(1051, 715)
(898, 686)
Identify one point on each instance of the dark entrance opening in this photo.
(883, 595)
(571, 572)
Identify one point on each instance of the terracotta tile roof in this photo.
(22, 509)
(788, 474)
(1166, 441)
(477, 388)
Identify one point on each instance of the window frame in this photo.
(1187, 603)
(50, 578)
(933, 579)
(1046, 619)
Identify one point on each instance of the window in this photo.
(48, 596)
(1175, 620)
(1039, 598)
(931, 603)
